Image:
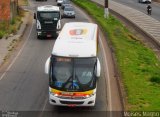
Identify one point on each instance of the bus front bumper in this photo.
(90, 101)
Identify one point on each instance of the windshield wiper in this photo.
(68, 81)
(74, 84)
(79, 84)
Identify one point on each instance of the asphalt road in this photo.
(142, 7)
(24, 87)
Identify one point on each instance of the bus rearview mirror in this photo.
(98, 68)
(47, 66)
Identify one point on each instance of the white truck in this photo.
(73, 66)
(144, 1)
(48, 21)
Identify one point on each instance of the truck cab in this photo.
(144, 1)
(48, 21)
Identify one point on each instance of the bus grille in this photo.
(71, 102)
(69, 97)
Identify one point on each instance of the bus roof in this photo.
(48, 8)
(79, 30)
(77, 39)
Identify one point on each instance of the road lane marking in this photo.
(45, 105)
(43, 109)
(108, 78)
(20, 51)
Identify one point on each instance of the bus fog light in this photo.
(90, 102)
(53, 101)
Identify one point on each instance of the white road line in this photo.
(17, 54)
(108, 78)
(45, 104)
(41, 115)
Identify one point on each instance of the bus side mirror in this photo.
(47, 66)
(35, 16)
(98, 68)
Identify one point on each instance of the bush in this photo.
(155, 79)
(4, 26)
(2, 33)
(13, 21)
(13, 29)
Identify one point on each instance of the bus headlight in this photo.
(90, 95)
(54, 94)
(51, 93)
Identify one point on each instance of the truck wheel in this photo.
(38, 37)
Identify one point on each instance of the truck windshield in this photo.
(72, 74)
(49, 15)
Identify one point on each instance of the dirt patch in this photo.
(22, 2)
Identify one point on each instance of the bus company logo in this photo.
(77, 32)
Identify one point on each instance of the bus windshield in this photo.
(49, 15)
(72, 74)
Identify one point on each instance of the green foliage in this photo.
(155, 79)
(7, 28)
(2, 33)
(139, 67)
(13, 21)
(3, 28)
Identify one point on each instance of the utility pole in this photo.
(106, 11)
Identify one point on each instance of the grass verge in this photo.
(138, 65)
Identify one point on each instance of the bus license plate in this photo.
(71, 105)
(67, 93)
